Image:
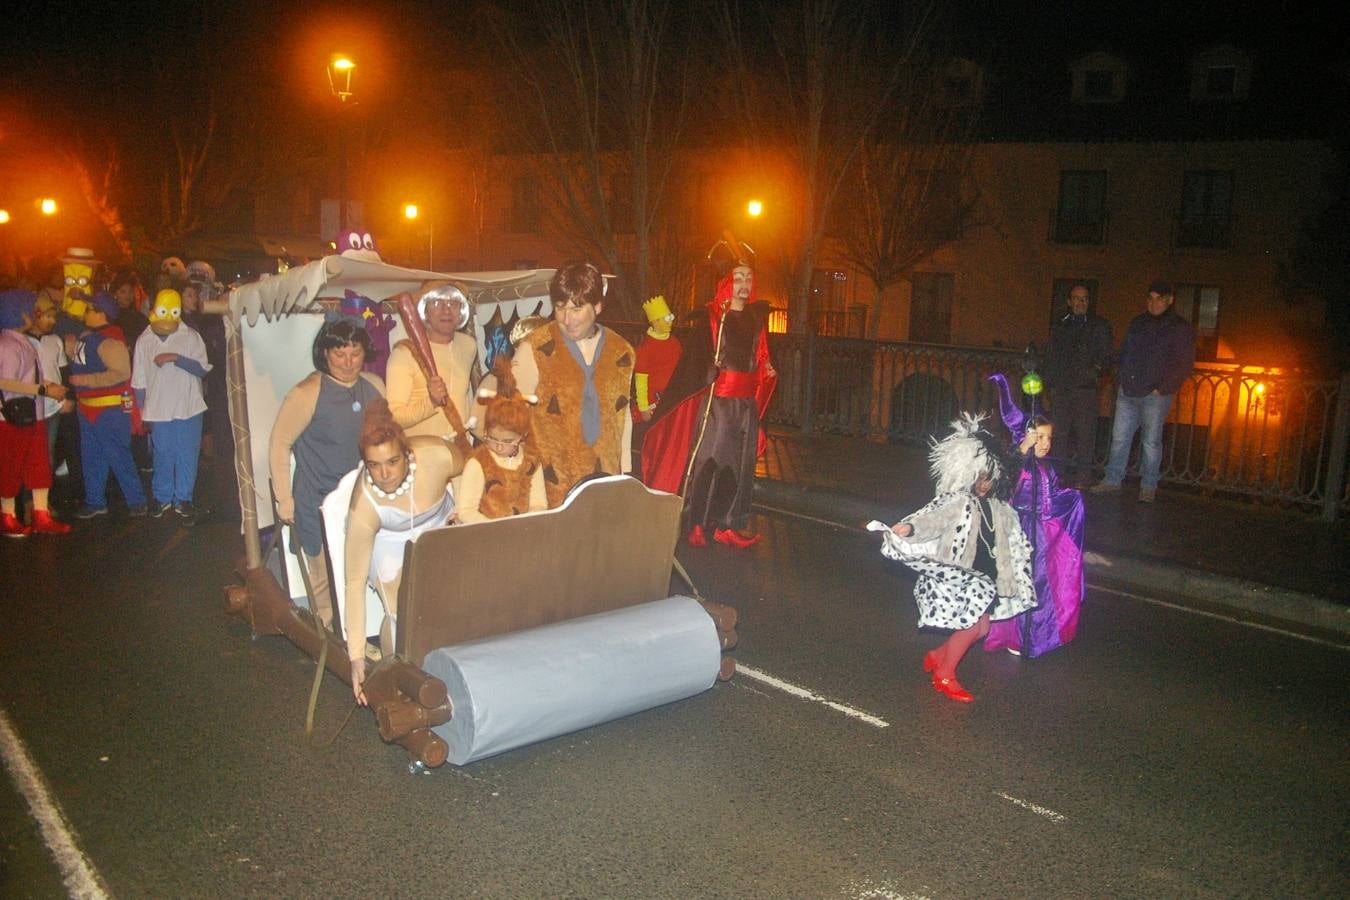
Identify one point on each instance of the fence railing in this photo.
(1279, 437)
(1276, 436)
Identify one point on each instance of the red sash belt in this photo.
(731, 383)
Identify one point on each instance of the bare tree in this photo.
(909, 192)
(813, 79)
(97, 174)
(607, 86)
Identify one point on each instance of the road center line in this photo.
(1220, 616)
(804, 694)
(80, 878)
(1038, 810)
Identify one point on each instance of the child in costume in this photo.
(503, 477)
(167, 369)
(24, 461)
(657, 355)
(973, 561)
(1053, 518)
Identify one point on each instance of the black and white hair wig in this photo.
(960, 459)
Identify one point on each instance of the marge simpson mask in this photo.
(166, 313)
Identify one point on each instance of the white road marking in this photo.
(1038, 810)
(867, 889)
(80, 878)
(1221, 617)
(803, 693)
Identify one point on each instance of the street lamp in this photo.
(410, 212)
(4, 217)
(48, 206)
(754, 209)
(340, 71)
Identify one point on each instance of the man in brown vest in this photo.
(581, 372)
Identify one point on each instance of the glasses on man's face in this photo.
(505, 442)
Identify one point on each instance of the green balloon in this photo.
(1032, 384)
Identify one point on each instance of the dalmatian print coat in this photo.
(949, 593)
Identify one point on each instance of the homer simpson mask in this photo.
(166, 313)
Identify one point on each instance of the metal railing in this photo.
(1280, 437)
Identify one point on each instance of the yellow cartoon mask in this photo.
(79, 281)
(660, 317)
(167, 312)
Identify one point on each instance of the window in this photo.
(1220, 74)
(829, 292)
(525, 211)
(1221, 81)
(1206, 218)
(1098, 78)
(930, 307)
(1099, 84)
(1059, 300)
(1081, 215)
(1199, 303)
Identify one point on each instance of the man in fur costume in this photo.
(707, 434)
(582, 373)
(503, 477)
(973, 560)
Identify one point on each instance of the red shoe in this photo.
(696, 537)
(930, 661)
(736, 539)
(12, 527)
(952, 688)
(43, 523)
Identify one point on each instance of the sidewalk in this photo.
(1277, 564)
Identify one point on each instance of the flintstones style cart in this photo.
(572, 626)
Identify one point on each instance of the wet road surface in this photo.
(1160, 754)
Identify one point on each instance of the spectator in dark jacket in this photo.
(1156, 357)
(1078, 355)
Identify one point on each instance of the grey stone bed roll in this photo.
(531, 685)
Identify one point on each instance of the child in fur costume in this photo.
(973, 560)
(503, 476)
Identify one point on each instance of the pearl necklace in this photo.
(402, 488)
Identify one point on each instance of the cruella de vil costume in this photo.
(973, 561)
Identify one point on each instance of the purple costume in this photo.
(1055, 530)
(377, 323)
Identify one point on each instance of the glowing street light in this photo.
(4, 217)
(340, 69)
(48, 206)
(410, 212)
(754, 209)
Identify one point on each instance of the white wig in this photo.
(957, 461)
(445, 290)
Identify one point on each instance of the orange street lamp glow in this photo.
(4, 216)
(754, 208)
(410, 211)
(1260, 387)
(340, 69)
(48, 206)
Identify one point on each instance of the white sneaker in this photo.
(1014, 651)
(62, 470)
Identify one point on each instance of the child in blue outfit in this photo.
(167, 371)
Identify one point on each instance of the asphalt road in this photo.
(1161, 754)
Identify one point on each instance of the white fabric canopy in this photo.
(295, 289)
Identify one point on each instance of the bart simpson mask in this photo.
(660, 317)
(166, 313)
